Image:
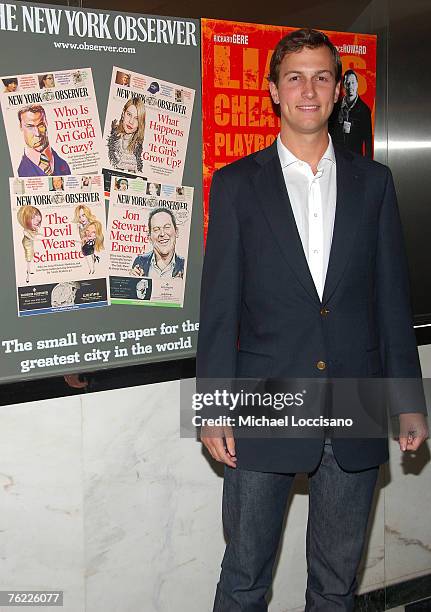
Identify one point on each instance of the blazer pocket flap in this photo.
(253, 365)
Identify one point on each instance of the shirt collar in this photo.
(346, 104)
(34, 156)
(287, 157)
(169, 267)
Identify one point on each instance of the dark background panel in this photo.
(174, 63)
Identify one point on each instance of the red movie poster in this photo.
(238, 116)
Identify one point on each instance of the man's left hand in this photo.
(73, 381)
(136, 271)
(413, 430)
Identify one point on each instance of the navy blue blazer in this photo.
(261, 316)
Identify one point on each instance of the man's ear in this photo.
(274, 92)
(337, 91)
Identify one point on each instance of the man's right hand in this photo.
(220, 443)
(136, 271)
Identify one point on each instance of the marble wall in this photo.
(101, 498)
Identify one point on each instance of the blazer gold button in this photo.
(324, 312)
(321, 365)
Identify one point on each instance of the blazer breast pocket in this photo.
(253, 365)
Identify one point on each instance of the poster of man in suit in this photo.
(350, 124)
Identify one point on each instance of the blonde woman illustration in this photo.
(83, 217)
(92, 242)
(127, 136)
(30, 219)
(90, 233)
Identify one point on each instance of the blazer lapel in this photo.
(271, 189)
(347, 216)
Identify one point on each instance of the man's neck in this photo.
(34, 156)
(306, 147)
(163, 261)
(351, 100)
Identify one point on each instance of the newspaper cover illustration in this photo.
(149, 229)
(52, 123)
(147, 126)
(59, 237)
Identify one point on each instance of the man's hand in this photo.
(413, 430)
(74, 382)
(220, 443)
(136, 271)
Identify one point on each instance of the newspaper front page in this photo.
(59, 239)
(147, 126)
(148, 229)
(52, 123)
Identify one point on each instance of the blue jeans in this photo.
(253, 509)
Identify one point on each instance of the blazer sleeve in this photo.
(221, 286)
(397, 336)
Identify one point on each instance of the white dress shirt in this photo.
(156, 272)
(313, 199)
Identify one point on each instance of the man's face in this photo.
(34, 129)
(49, 81)
(351, 86)
(12, 86)
(163, 235)
(152, 189)
(306, 90)
(124, 79)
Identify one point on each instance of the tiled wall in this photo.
(100, 498)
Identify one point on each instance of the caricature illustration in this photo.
(91, 234)
(127, 136)
(30, 218)
(92, 243)
(83, 217)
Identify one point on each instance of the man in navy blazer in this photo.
(310, 282)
